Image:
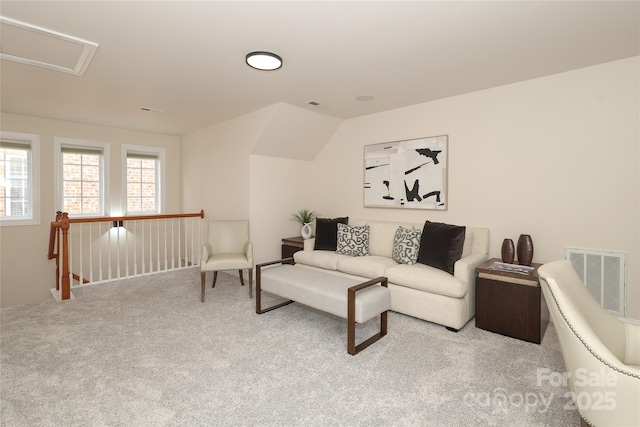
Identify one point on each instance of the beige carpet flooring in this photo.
(147, 352)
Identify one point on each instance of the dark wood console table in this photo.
(510, 304)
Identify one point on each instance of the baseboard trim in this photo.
(57, 295)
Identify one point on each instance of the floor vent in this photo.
(603, 273)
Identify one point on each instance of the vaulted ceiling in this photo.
(187, 58)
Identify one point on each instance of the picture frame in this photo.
(409, 174)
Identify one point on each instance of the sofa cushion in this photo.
(441, 245)
(321, 259)
(327, 232)
(406, 245)
(366, 266)
(353, 241)
(425, 278)
(381, 237)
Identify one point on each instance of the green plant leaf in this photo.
(304, 216)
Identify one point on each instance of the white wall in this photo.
(215, 166)
(279, 188)
(227, 172)
(26, 276)
(555, 157)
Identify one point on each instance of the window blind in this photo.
(141, 155)
(15, 144)
(73, 149)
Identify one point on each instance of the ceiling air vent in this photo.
(318, 105)
(151, 110)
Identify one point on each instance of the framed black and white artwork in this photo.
(407, 174)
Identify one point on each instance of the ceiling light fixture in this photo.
(265, 61)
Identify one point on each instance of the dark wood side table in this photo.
(510, 304)
(291, 245)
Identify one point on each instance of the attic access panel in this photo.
(32, 45)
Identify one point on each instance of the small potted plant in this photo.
(304, 217)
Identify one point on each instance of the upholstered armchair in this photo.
(601, 352)
(227, 248)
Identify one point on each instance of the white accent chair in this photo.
(227, 248)
(601, 353)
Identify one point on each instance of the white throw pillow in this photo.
(406, 245)
(353, 241)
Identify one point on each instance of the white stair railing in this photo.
(109, 248)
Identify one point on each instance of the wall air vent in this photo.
(44, 48)
(603, 273)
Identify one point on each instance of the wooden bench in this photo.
(348, 298)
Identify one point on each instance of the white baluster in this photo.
(109, 252)
(180, 221)
(70, 238)
(150, 249)
(158, 243)
(135, 248)
(166, 266)
(100, 251)
(126, 249)
(144, 265)
(91, 252)
(173, 255)
(81, 272)
(193, 242)
(118, 250)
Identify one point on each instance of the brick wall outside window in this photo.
(81, 183)
(142, 185)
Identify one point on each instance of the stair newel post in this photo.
(66, 283)
(57, 240)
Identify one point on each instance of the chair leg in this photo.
(215, 277)
(250, 283)
(202, 277)
(241, 278)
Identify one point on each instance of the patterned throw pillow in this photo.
(406, 245)
(353, 241)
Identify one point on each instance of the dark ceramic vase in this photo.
(508, 251)
(525, 249)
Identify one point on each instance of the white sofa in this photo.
(417, 290)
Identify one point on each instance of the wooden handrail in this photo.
(134, 217)
(127, 218)
(61, 226)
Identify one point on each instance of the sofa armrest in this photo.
(632, 353)
(310, 244)
(465, 268)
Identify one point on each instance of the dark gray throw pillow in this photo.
(327, 233)
(441, 245)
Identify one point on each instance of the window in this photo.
(19, 179)
(81, 176)
(143, 180)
